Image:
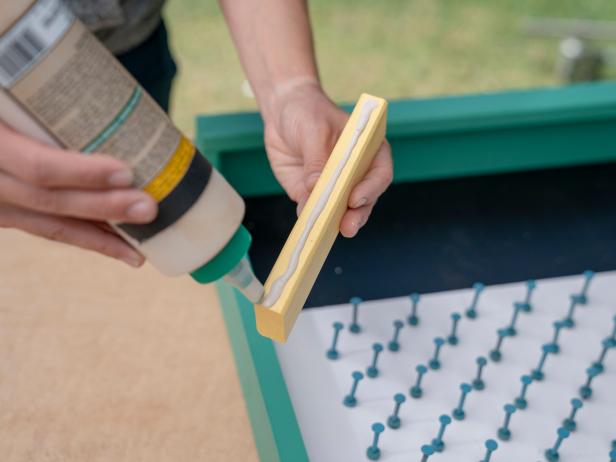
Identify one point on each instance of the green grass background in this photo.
(392, 48)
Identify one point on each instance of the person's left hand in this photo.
(300, 133)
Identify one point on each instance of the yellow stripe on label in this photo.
(173, 172)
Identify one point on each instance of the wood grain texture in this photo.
(276, 321)
(99, 362)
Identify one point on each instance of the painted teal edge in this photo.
(450, 136)
(274, 425)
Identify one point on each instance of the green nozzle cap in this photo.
(227, 258)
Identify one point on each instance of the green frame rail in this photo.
(431, 139)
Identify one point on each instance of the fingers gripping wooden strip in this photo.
(313, 235)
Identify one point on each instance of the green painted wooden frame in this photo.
(430, 138)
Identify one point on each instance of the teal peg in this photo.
(332, 353)
(478, 383)
(613, 455)
(495, 354)
(613, 336)
(435, 363)
(607, 343)
(372, 371)
(413, 318)
(583, 295)
(552, 454)
(569, 321)
(458, 413)
(416, 390)
(393, 421)
(354, 327)
(394, 345)
(350, 400)
(438, 442)
(569, 423)
(426, 451)
(511, 330)
(554, 346)
(537, 373)
(373, 452)
(491, 446)
(526, 305)
(521, 402)
(471, 312)
(452, 339)
(504, 433)
(585, 390)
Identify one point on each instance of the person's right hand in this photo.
(67, 196)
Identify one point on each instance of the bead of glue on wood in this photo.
(394, 345)
(413, 318)
(350, 400)
(393, 421)
(478, 382)
(552, 454)
(435, 363)
(471, 312)
(416, 391)
(332, 353)
(526, 305)
(354, 327)
(373, 452)
(453, 339)
(372, 370)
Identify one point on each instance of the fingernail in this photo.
(120, 179)
(142, 210)
(360, 203)
(132, 260)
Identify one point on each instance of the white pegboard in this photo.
(336, 433)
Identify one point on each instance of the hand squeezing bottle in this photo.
(61, 86)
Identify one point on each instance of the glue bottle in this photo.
(61, 86)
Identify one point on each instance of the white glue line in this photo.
(278, 285)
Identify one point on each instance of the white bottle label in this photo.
(29, 40)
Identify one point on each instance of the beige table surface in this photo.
(100, 362)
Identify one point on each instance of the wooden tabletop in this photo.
(100, 362)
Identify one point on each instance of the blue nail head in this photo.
(562, 432)
(377, 347)
(491, 445)
(444, 419)
(481, 361)
(576, 403)
(455, 316)
(421, 369)
(526, 379)
(356, 300)
(509, 408)
(438, 341)
(378, 427)
(357, 375)
(398, 324)
(589, 274)
(531, 284)
(427, 450)
(338, 326)
(478, 286)
(415, 297)
(465, 388)
(399, 398)
(613, 455)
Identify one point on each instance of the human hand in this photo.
(302, 126)
(67, 196)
